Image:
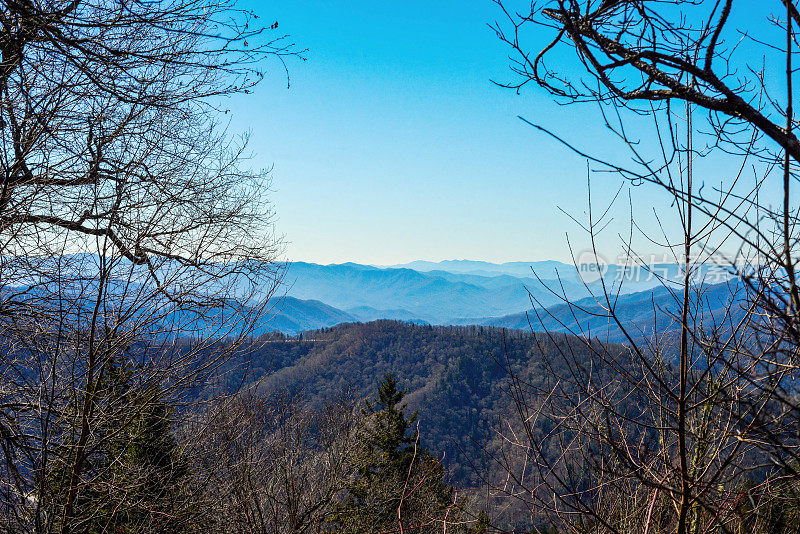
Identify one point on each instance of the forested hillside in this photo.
(455, 376)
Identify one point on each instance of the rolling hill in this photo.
(548, 270)
(461, 368)
(290, 315)
(452, 292)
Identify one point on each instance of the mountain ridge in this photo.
(445, 294)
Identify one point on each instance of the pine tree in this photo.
(134, 476)
(392, 472)
(481, 524)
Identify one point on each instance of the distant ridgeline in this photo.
(651, 315)
(517, 295)
(466, 292)
(455, 376)
(645, 315)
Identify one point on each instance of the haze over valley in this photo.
(463, 292)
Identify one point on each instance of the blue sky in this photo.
(392, 144)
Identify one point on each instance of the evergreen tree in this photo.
(395, 479)
(135, 475)
(481, 524)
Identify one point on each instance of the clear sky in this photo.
(392, 144)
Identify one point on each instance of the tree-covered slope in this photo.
(455, 376)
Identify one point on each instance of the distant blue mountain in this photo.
(291, 315)
(285, 314)
(449, 291)
(544, 269)
(632, 277)
(433, 297)
(643, 315)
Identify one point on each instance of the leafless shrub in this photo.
(271, 464)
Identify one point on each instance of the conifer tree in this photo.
(395, 479)
(133, 448)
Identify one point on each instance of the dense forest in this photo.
(456, 377)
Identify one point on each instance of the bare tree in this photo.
(128, 220)
(271, 463)
(694, 427)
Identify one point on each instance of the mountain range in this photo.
(642, 315)
(460, 292)
(402, 293)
